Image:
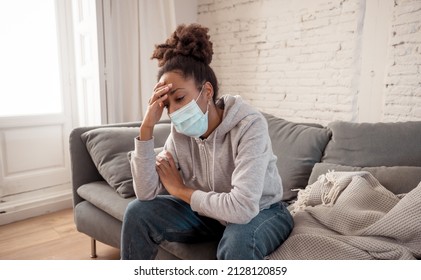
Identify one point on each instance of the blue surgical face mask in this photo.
(190, 120)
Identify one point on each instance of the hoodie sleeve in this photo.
(146, 181)
(241, 204)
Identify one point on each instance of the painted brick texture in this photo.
(402, 91)
(300, 60)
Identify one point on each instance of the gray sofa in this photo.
(102, 185)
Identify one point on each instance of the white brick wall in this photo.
(402, 91)
(301, 60)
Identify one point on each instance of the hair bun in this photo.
(191, 40)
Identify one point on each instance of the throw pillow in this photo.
(109, 148)
(298, 147)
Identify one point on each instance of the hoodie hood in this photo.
(235, 110)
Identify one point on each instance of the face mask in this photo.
(190, 120)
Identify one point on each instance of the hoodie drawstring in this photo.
(192, 159)
(213, 160)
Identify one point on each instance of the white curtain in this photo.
(129, 68)
(131, 30)
(157, 22)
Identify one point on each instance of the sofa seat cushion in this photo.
(374, 144)
(105, 198)
(397, 179)
(298, 147)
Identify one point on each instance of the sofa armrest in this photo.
(83, 169)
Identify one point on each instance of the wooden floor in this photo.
(49, 237)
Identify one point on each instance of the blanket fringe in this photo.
(332, 188)
(330, 184)
(302, 200)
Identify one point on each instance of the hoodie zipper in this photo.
(202, 145)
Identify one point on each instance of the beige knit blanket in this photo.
(350, 215)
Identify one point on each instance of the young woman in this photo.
(217, 177)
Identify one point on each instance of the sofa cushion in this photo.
(104, 198)
(377, 144)
(109, 147)
(298, 147)
(397, 179)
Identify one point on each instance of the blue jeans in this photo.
(147, 223)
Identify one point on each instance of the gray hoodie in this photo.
(233, 171)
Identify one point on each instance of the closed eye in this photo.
(179, 99)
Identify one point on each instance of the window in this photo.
(29, 68)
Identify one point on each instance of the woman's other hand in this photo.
(171, 179)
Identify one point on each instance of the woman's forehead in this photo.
(177, 80)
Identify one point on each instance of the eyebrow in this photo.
(174, 90)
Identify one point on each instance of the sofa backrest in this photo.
(390, 151)
(374, 144)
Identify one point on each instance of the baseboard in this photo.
(27, 205)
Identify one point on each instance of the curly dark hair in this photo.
(188, 51)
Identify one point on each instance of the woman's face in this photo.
(181, 93)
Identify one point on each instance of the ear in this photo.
(208, 90)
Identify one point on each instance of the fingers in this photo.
(160, 93)
(159, 84)
(161, 163)
(156, 105)
(164, 162)
(159, 166)
(170, 159)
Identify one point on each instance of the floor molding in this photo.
(31, 204)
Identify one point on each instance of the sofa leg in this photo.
(93, 248)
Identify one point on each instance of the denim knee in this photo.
(136, 207)
(240, 242)
(258, 238)
(135, 237)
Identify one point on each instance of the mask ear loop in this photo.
(201, 90)
(209, 101)
(207, 109)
